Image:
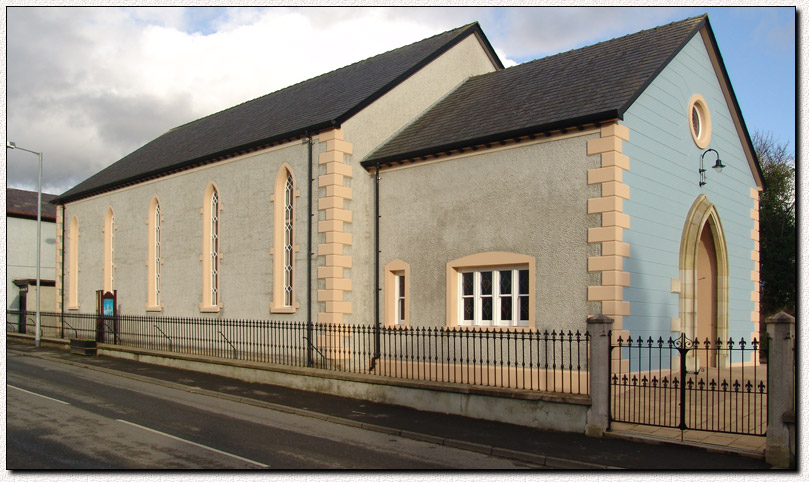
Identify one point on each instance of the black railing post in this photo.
(683, 353)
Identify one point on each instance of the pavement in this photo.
(624, 447)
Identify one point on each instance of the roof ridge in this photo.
(633, 34)
(457, 30)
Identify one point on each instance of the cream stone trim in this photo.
(613, 222)
(73, 265)
(703, 138)
(277, 250)
(702, 213)
(489, 259)
(336, 214)
(755, 273)
(392, 269)
(614, 188)
(109, 250)
(206, 305)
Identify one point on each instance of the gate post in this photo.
(780, 389)
(599, 327)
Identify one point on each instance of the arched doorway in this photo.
(706, 291)
(704, 279)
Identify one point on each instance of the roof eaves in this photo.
(488, 139)
(26, 215)
(207, 159)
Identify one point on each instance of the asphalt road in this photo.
(66, 417)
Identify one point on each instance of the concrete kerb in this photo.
(543, 460)
(651, 439)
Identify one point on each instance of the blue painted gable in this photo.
(664, 183)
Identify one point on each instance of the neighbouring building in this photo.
(21, 251)
(430, 186)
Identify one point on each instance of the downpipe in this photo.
(376, 271)
(309, 327)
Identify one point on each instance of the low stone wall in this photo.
(561, 412)
(543, 410)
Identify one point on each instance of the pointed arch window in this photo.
(289, 255)
(211, 250)
(284, 247)
(109, 251)
(73, 265)
(154, 260)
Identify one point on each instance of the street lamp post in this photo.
(11, 145)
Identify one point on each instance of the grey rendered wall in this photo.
(377, 123)
(21, 257)
(245, 185)
(529, 200)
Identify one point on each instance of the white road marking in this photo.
(37, 394)
(194, 443)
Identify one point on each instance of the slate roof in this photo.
(322, 102)
(23, 204)
(590, 84)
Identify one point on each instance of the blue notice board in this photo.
(109, 307)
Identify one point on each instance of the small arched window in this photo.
(109, 251)
(154, 260)
(284, 247)
(211, 252)
(73, 265)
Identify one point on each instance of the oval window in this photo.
(700, 121)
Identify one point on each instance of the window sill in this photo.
(283, 309)
(75, 307)
(154, 308)
(491, 328)
(210, 309)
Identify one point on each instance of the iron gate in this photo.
(717, 386)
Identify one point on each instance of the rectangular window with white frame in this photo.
(397, 294)
(494, 297)
(399, 297)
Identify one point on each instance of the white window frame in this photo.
(477, 296)
(400, 300)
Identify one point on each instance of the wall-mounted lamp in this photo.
(717, 166)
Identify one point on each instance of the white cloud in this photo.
(89, 85)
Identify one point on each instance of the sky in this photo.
(86, 86)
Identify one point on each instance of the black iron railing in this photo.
(554, 361)
(717, 386)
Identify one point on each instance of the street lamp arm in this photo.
(11, 145)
